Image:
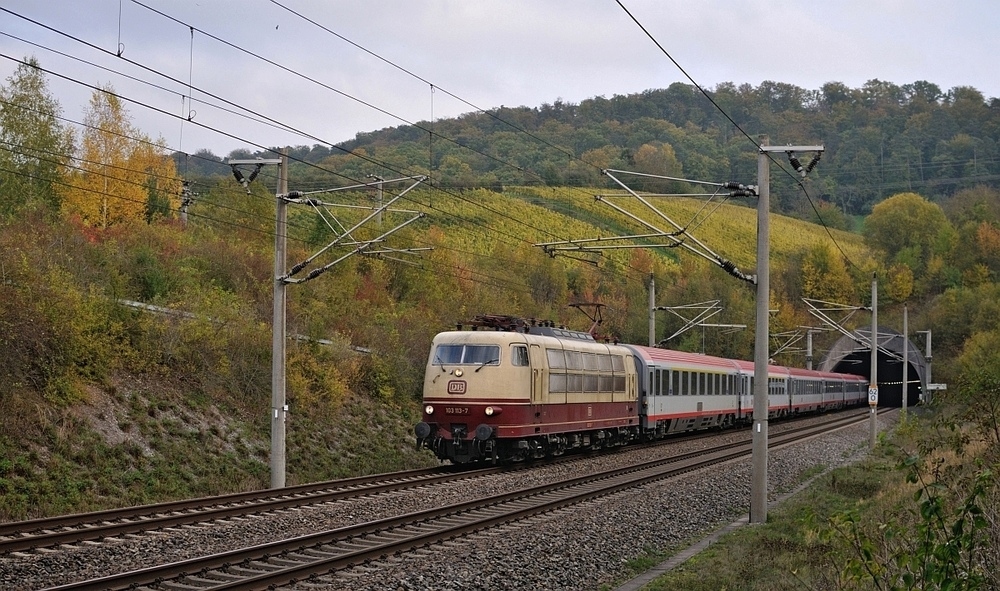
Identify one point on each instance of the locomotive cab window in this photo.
(519, 355)
(467, 355)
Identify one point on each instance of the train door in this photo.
(539, 374)
(746, 395)
(778, 388)
(627, 388)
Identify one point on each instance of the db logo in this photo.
(456, 387)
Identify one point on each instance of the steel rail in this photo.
(326, 552)
(69, 529)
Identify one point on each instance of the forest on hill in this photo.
(137, 285)
(880, 139)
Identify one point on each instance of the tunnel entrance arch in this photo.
(852, 354)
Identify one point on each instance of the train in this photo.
(512, 390)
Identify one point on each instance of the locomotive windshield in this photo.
(467, 354)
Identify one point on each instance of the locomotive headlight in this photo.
(429, 409)
(492, 410)
(459, 372)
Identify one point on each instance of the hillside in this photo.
(137, 339)
(107, 404)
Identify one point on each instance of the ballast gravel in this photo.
(580, 547)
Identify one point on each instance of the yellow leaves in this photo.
(899, 286)
(121, 175)
(825, 276)
(314, 386)
(988, 240)
(905, 220)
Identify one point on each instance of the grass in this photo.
(865, 513)
(792, 551)
(175, 447)
(788, 551)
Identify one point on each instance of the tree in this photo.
(905, 221)
(978, 204)
(659, 160)
(825, 276)
(829, 215)
(33, 145)
(122, 174)
(899, 283)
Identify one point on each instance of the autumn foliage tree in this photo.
(121, 175)
(33, 145)
(825, 276)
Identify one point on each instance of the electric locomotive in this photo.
(524, 391)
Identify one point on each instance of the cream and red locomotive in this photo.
(518, 390)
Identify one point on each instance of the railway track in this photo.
(70, 529)
(326, 553)
(49, 532)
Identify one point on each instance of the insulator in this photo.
(239, 176)
(796, 164)
(732, 185)
(815, 160)
(255, 172)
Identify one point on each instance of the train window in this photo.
(590, 361)
(448, 354)
(591, 383)
(574, 382)
(574, 360)
(685, 383)
(605, 361)
(519, 355)
(658, 382)
(557, 382)
(675, 382)
(619, 382)
(617, 363)
(607, 382)
(557, 360)
(482, 355)
(467, 354)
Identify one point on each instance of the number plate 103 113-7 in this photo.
(456, 410)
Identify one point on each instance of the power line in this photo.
(310, 79)
(282, 126)
(428, 205)
(156, 109)
(737, 126)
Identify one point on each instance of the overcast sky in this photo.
(486, 52)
